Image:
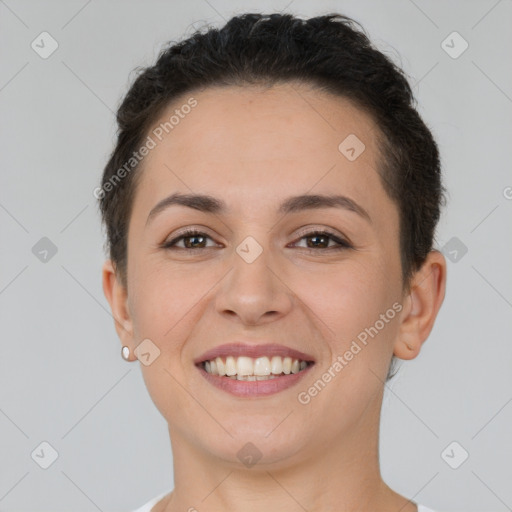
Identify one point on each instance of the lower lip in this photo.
(254, 388)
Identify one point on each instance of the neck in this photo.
(342, 476)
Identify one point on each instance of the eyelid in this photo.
(341, 241)
(308, 230)
(189, 231)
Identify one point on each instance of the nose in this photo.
(254, 292)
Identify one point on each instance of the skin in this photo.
(253, 147)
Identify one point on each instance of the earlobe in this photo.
(421, 306)
(116, 295)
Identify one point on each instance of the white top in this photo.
(150, 504)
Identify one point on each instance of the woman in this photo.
(270, 208)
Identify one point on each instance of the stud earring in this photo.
(125, 353)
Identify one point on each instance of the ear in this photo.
(421, 305)
(117, 296)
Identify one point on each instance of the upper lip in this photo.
(238, 349)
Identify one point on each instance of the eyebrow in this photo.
(209, 204)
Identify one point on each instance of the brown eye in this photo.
(193, 239)
(321, 239)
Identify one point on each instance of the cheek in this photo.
(356, 303)
(347, 298)
(350, 302)
(166, 301)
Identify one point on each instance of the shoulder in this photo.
(422, 508)
(148, 507)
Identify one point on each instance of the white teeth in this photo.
(221, 369)
(245, 377)
(262, 366)
(244, 366)
(247, 368)
(254, 377)
(230, 366)
(276, 365)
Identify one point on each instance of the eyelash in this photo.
(343, 244)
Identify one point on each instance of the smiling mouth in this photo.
(254, 369)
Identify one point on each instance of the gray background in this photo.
(62, 379)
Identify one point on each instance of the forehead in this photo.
(255, 117)
(253, 143)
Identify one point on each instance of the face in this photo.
(259, 275)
